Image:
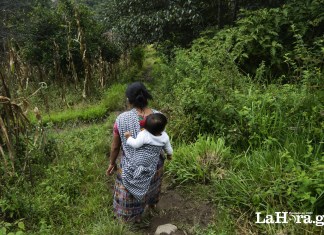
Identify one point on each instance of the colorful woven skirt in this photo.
(128, 207)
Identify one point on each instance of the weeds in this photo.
(72, 193)
(113, 100)
(198, 162)
(273, 131)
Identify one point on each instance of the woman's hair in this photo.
(138, 95)
(155, 123)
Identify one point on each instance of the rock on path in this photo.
(166, 229)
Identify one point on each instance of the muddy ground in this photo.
(178, 208)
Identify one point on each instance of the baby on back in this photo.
(148, 144)
(153, 134)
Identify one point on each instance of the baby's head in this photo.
(155, 123)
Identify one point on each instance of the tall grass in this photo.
(74, 196)
(199, 161)
(113, 100)
(274, 132)
(276, 161)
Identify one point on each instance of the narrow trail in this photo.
(176, 207)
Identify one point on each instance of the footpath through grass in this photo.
(75, 197)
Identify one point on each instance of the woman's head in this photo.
(138, 95)
(155, 123)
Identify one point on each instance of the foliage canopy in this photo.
(179, 21)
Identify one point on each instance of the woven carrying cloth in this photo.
(126, 206)
(139, 165)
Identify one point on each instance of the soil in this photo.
(181, 210)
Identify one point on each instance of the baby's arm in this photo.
(135, 143)
(168, 149)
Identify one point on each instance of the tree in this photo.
(8, 9)
(60, 41)
(179, 21)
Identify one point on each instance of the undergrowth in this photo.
(74, 194)
(272, 128)
(254, 140)
(113, 100)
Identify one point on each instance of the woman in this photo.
(125, 205)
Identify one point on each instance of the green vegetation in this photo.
(274, 129)
(73, 192)
(197, 162)
(113, 100)
(244, 99)
(177, 21)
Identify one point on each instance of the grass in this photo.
(113, 99)
(197, 162)
(276, 159)
(75, 195)
(151, 58)
(272, 159)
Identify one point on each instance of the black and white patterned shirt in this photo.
(138, 164)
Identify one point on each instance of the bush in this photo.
(271, 123)
(214, 97)
(270, 179)
(198, 162)
(137, 56)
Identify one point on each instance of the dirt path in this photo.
(177, 208)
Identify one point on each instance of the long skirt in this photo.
(126, 206)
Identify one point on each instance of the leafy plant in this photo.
(137, 56)
(7, 228)
(198, 162)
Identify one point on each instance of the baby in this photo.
(148, 145)
(153, 134)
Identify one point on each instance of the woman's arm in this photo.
(114, 151)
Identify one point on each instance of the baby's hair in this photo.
(155, 123)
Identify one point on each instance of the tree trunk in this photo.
(85, 60)
(5, 162)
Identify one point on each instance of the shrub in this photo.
(274, 179)
(137, 56)
(198, 162)
(271, 123)
(214, 97)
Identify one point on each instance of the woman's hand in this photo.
(115, 147)
(111, 169)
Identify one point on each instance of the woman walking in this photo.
(126, 206)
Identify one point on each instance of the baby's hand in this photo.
(127, 134)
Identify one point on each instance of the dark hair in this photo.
(155, 123)
(138, 95)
